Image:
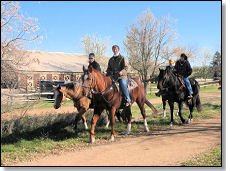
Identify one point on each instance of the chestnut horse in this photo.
(107, 96)
(73, 91)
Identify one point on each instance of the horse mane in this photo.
(106, 79)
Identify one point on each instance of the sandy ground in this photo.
(159, 148)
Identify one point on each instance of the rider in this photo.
(117, 69)
(183, 68)
(171, 64)
(92, 62)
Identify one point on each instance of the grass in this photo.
(209, 89)
(31, 105)
(210, 158)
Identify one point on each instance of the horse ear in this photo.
(84, 68)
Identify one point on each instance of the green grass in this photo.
(211, 158)
(213, 88)
(31, 105)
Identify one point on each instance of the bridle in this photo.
(100, 93)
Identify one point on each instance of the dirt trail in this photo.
(158, 148)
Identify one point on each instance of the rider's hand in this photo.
(120, 73)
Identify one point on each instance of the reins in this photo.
(100, 93)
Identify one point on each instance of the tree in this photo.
(205, 58)
(16, 32)
(216, 65)
(98, 46)
(148, 43)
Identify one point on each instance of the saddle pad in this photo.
(131, 84)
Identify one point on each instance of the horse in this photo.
(107, 96)
(73, 91)
(164, 101)
(172, 88)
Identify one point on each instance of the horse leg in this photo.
(79, 116)
(177, 113)
(164, 111)
(191, 108)
(107, 125)
(171, 104)
(112, 121)
(118, 115)
(95, 118)
(129, 116)
(142, 108)
(84, 121)
(180, 104)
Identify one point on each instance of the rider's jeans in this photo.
(123, 83)
(187, 82)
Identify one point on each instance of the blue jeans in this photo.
(187, 82)
(124, 87)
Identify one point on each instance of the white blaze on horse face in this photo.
(146, 126)
(128, 128)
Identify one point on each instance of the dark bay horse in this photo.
(173, 90)
(107, 96)
(73, 91)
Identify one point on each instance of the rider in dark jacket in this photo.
(183, 68)
(92, 62)
(117, 69)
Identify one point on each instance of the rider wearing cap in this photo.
(93, 63)
(117, 69)
(183, 68)
(171, 64)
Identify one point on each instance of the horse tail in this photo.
(151, 106)
(198, 103)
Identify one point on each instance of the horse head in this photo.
(59, 95)
(162, 79)
(88, 81)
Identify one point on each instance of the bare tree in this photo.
(190, 52)
(148, 43)
(98, 46)
(16, 32)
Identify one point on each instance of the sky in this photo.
(64, 23)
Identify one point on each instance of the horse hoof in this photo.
(112, 138)
(92, 140)
(146, 129)
(187, 121)
(171, 124)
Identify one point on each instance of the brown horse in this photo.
(73, 91)
(107, 96)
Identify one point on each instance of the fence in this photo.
(152, 88)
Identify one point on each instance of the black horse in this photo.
(172, 88)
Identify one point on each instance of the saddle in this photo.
(131, 83)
